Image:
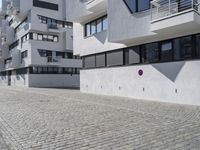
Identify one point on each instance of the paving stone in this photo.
(62, 119)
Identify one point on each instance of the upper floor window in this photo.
(96, 26)
(137, 5)
(55, 23)
(43, 4)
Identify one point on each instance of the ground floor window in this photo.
(177, 49)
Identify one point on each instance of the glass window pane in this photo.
(88, 30)
(99, 25)
(150, 53)
(183, 48)
(131, 4)
(198, 46)
(40, 37)
(143, 5)
(89, 62)
(115, 58)
(35, 36)
(166, 51)
(55, 38)
(105, 23)
(93, 27)
(100, 60)
(134, 55)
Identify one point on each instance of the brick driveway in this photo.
(60, 119)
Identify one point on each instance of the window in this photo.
(99, 26)
(198, 46)
(101, 60)
(34, 36)
(115, 58)
(45, 38)
(96, 26)
(21, 25)
(13, 45)
(137, 5)
(150, 53)
(178, 49)
(93, 27)
(39, 37)
(105, 23)
(143, 5)
(24, 54)
(132, 55)
(166, 51)
(55, 38)
(183, 48)
(54, 23)
(89, 61)
(87, 30)
(43, 4)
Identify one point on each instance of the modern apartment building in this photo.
(139, 48)
(36, 45)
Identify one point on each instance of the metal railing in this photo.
(165, 8)
(52, 59)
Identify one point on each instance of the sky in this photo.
(0, 3)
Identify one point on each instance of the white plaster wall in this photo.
(3, 80)
(159, 82)
(93, 44)
(19, 80)
(54, 80)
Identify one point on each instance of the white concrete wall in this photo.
(54, 80)
(19, 80)
(93, 44)
(3, 80)
(159, 82)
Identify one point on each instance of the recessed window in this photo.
(115, 58)
(96, 26)
(89, 61)
(100, 60)
(93, 27)
(150, 53)
(99, 26)
(183, 48)
(39, 37)
(137, 5)
(198, 46)
(166, 51)
(132, 55)
(105, 23)
(55, 38)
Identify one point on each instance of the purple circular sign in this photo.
(140, 72)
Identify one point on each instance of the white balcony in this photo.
(169, 15)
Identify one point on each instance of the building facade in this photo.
(144, 49)
(37, 45)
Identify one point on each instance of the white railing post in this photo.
(192, 1)
(169, 1)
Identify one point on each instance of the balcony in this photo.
(168, 15)
(53, 60)
(53, 27)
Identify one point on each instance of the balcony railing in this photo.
(165, 8)
(52, 59)
(52, 26)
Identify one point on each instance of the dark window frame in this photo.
(193, 57)
(90, 26)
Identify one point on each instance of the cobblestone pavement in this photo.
(61, 119)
